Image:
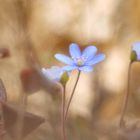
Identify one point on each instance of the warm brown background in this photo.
(50, 26)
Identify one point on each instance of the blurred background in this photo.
(46, 27)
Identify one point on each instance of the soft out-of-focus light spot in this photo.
(94, 21)
(83, 21)
(115, 70)
(37, 103)
(58, 15)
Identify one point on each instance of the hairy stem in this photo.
(126, 97)
(71, 97)
(63, 112)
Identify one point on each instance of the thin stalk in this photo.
(71, 97)
(63, 113)
(126, 97)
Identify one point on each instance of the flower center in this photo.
(80, 61)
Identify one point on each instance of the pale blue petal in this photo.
(46, 73)
(86, 68)
(136, 48)
(69, 68)
(96, 59)
(89, 52)
(63, 58)
(53, 73)
(57, 70)
(74, 50)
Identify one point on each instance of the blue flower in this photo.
(136, 49)
(83, 61)
(54, 73)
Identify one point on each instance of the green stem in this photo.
(122, 123)
(71, 97)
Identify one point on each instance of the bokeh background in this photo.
(48, 27)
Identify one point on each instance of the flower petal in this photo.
(63, 58)
(86, 68)
(96, 59)
(89, 52)
(69, 68)
(53, 73)
(74, 50)
(136, 48)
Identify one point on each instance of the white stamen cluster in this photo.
(79, 61)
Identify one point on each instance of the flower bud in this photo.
(133, 56)
(64, 78)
